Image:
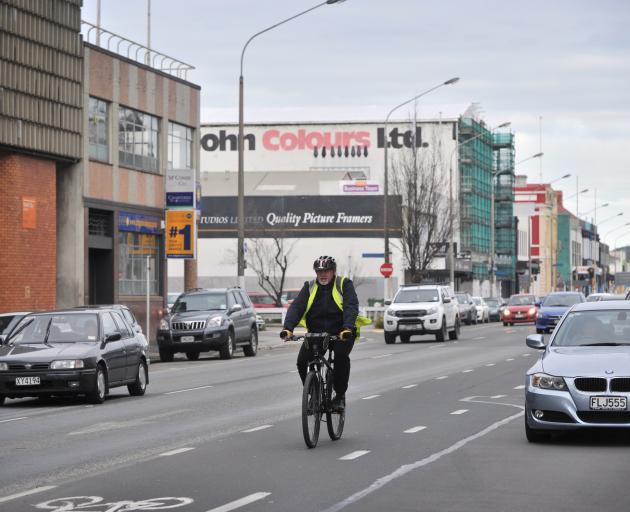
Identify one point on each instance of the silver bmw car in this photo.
(582, 378)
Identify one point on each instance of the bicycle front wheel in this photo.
(335, 420)
(311, 409)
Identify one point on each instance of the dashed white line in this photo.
(526, 355)
(185, 390)
(382, 355)
(498, 396)
(467, 371)
(370, 397)
(491, 364)
(413, 430)
(459, 411)
(293, 371)
(442, 377)
(241, 503)
(256, 429)
(15, 419)
(522, 386)
(175, 452)
(354, 455)
(409, 386)
(479, 338)
(510, 359)
(27, 493)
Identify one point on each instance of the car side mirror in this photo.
(235, 309)
(388, 302)
(447, 300)
(112, 337)
(536, 341)
(138, 329)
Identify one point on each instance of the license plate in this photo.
(187, 339)
(27, 381)
(608, 403)
(519, 315)
(410, 327)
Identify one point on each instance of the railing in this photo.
(135, 51)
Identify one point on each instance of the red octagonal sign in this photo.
(387, 269)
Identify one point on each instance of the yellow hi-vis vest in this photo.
(337, 297)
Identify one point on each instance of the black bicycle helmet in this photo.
(325, 263)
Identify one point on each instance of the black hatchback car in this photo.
(73, 352)
(209, 319)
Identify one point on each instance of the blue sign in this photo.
(373, 255)
(180, 199)
(139, 223)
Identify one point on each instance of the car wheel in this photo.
(97, 395)
(252, 349)
(505, 324)
(404, 338)
(390, 338)
(441, 335)
(166, 355)
(227, 350)
(533, 435)
(139, 386)
(454, 334)
(193, 355)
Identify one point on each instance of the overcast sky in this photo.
(566, 62)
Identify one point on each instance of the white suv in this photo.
(421, 309)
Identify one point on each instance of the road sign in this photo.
(387, 269)
(181, 234)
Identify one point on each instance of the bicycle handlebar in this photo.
(313, 334)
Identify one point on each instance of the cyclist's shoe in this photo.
(339, 403)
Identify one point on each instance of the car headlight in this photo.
(67, 364)
(4, 367)
(432, 311)
(544, 381)
(163, 324)
(532, 311)
(215, 321)
(390, 312)
(506, 312)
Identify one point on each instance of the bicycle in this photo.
(318, 388)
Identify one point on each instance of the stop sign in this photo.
(387, 269)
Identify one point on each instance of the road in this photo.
(430, 426)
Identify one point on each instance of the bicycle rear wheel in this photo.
(335, 420)
(311, 409)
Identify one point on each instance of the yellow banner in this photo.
(181, 233)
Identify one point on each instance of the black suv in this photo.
(210, 319)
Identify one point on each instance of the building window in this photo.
(134, 248)
(179, 146)
(138, 140)
(98, 112)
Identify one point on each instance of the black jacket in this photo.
(324, 315)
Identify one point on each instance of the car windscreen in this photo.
(561, 300)
(477, 301)
(200, 302)
(492, 302)
(57, 328)
(592, 328)
(462, 298)
(408, 296)
(5, 322)
(521, 300)
(262, 299)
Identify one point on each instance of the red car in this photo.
(520, 309)
(262, 300)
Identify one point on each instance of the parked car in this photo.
(263, 300)
(421, 309)
(483, 311)
(76, 351)
(289, 296)
(124, 311)
(495, 306)
(220, 319)
(581, 380)
(260, 323)
(467, 309)
(8, 321)
(521, 308)
(170, 300)
(553, 307)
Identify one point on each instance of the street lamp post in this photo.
(241, 172)
(611, 218)
(615, 229)
(386, 292)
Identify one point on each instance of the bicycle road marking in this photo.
(409, 386)
(407, 468)
(459, 411)
(355, 455)
(370, 397)
(256, 429)
(185, 390)
(175, 452)
(413, 430)
(27, 493)
(233, 505)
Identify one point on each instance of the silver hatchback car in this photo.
(582, 378)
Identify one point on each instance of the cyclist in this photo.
(328, 304)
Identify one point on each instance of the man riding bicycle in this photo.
(328, 304)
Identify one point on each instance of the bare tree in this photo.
(419, 176)
(352, 269)
(269, 259)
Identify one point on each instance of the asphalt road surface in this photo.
(429, 427)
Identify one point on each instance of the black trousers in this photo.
(341, 364)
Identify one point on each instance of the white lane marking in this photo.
(256, 429)
(459, 411)
(413, 430)
(382, 355)
(409, 386)
(455, 342)
(522, 386)
(491, 364)
(370, 397)
(27, 493)
(442, 377)
(498, 396)
(175, 452)
(407, 468)
(241, 503)
(467, 371)
(293, 371)
(354, 455)
(479, 338)
(185, 390)
(510, 359)
(15, 419)
(526, 355)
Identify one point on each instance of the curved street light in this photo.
(241, 172)
(615, 229)
(593, 209)
(537, 155)
(611, 218)
(560, 178)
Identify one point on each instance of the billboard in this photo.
(180, 234)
